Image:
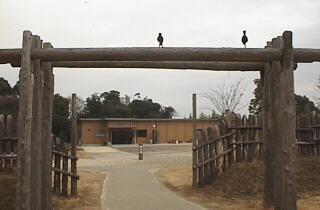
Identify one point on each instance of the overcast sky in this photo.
(183, 23)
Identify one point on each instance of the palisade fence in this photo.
(65, 169)
(64, 158)
(220, 146)
(8, 142)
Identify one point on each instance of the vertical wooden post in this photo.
(206, 157)
(46, 138)
(36, 154)
(57, 177)
(64, 175)
(267, 81)
(25, 122)
(194, 142)
(284, 152)
(74, 140)
(9, 134)
(200, 159)
(279, 129)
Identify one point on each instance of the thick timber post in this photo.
(74, 141)
(279, 128)
(194, 142)
(46, 138)
(25, 123)
(36, 154)
(267, 81)
(285, 173)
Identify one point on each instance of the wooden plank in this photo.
(57, 177)
(200, 160)
(25, 122)
(12, 144)
(7, 146)
(194, 141)
(64, 155)
(64, 176)
(36, 155)
(74, 141)
(65, 172)
(221, 154)
(213, 171)
(2, 133)
(206, 157)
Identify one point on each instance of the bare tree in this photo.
(226, 97)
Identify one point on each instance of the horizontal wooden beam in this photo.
(224, 66)
(158, 54)
(162, 54)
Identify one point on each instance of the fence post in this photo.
(11, 148)
(64, 175)
(200, 159)
(2, 134)
(279, 126)
(194, 142)
(285, 173)
(25, 122)
(74, 140)
(46, 127)
(267, 82)
(57, 177)
(206, 157)
(36, 130)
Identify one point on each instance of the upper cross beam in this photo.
(162, 54)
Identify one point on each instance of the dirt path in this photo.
(130, 183)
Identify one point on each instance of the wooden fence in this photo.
(8, 142)
(62, 159)
(220, 146)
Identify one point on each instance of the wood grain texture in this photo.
(46, 137)
(25, 124)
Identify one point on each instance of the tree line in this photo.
(105, 105)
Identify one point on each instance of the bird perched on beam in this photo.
(244, 39)
(160, 40)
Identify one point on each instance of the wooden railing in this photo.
(218, 147)
(62, 163)
(214, 154)
(8, 143)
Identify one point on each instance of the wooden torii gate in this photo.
(276, 63)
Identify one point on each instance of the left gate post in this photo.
(25, 122)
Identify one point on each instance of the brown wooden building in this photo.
(133, 131)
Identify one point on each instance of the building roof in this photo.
(140, 119)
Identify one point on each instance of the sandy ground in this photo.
(89, 191)
(241, 187)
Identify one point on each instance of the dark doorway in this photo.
(121, 136)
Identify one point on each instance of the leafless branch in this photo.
(226, 97)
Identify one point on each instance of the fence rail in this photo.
(218, 147)
(61, 158)
(63, 174)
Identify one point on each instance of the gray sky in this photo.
(183, 23)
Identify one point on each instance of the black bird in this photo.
(244, 39)
(160, 40)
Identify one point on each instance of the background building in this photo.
(134, 131)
